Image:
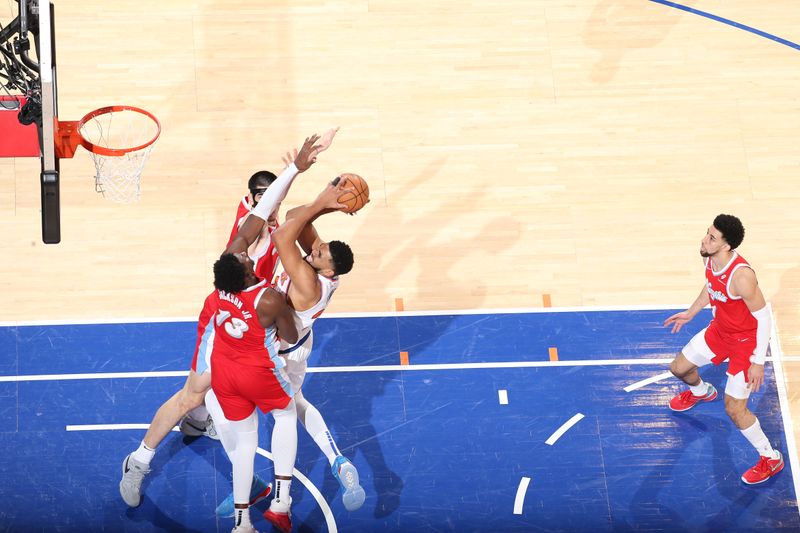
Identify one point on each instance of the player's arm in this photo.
(745, 284)
(304, 278)
(678, 320)
(308, 238)
(275, 193)
(272, 309)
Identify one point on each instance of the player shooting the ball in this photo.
(309, 281)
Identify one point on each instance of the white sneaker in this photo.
(195, 428)
(130, 487)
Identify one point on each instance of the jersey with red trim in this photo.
(731, 314)
(238, 335)
(266, 257)
(305, 319)
(241, 213)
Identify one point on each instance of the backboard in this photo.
(28, 95)
(46, 50)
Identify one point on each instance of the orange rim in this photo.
(102, 150)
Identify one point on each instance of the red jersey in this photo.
(238, 335)
(266, 262)
(731, 315)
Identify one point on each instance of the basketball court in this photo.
(540, 176)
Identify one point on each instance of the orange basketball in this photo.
(358, 197)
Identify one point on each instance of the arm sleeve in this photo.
(764, 320)
(275, 193)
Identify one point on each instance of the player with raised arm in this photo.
(137, 464)
(309, 281)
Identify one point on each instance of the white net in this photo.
(118, 177)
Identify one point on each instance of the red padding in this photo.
(16, 140)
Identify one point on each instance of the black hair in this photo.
(342, 257)
(260, 180)
(731, 228)
(229, 274)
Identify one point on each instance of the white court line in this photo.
(323, 505)
(498, 311)
(502, 395)
(340, 369)
(563, 429)
(783, 400)
(648, 381)
(521, 490)
(365, 368)
(106, 427)
(97, 375)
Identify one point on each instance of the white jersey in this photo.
(305, 319)
(297, 354)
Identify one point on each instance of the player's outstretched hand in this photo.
(307, 155)
(289, 158)
(326, 140)
(677, 321)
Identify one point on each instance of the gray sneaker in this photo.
(130, 488)
(194, 428)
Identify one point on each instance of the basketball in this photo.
(358, 197)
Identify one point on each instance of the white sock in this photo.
(282, 501)
(199, 413)
(241, 517)
(144, 454)
(701, 389)
(315, 425)
(760, 442)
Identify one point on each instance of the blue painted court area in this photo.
(435, 448)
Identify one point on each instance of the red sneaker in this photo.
(686, 400)
(765, 468)
(282, 521)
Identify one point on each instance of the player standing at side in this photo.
(739, 332)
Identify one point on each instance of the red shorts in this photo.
(241, 388)
(738, 347)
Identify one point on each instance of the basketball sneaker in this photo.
(764, 469)
(195, 428)
(686, 400)
(282, 521)
(130, 487)
(347, 476)
(259, 489)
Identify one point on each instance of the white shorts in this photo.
(296, 361)
(699, 354)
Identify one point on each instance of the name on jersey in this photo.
(716, 295)
(235, 301)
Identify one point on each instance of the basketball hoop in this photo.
(120, 139)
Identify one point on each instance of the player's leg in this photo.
(284, 453)
(240, 440)
(341, 467)
(770, 460)
(685, 367)
(137, 464)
